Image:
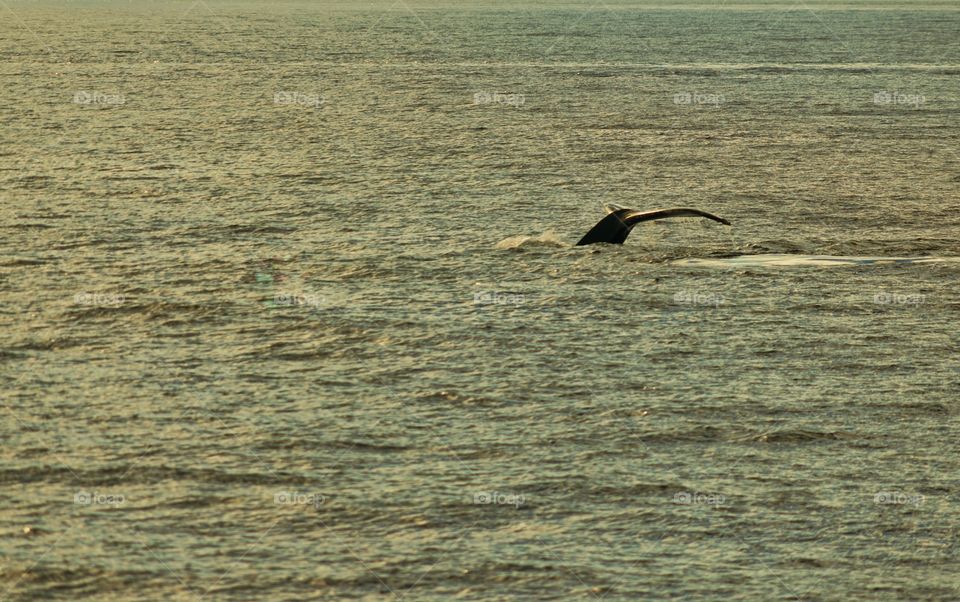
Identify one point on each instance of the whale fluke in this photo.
(615, 228)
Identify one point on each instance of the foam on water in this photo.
(547, 239)
(787, 260)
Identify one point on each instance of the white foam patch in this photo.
(786, 260)
(547, 239)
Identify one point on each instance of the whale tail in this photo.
(618, 223)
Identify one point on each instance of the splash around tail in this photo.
(546, 240)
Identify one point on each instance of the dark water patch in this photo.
(54, 344)
(46, 216)
(7, 355)
(23, 261)
(143, 473)
(628, 126)
(133, 178)
(250, 229)
(168, 313)
(315, 354)
(32, 182)
(632, 491)
(368, 447)
(28, 226)
(177, 335)
(306, 177)
(100, 242)
(702, 434)
(597, 74)
(196, 501)
(920, 407)
(802, 436)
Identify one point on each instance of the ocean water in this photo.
(290, 307)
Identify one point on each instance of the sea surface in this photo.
(290, 307)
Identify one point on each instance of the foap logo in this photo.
(699, 298)
(498, 498)
(898, 498)
(498, 298)
(94, 498)
(279, 289)
(298, 299)
(268, 272)
(487, 98)
(885, 298)
(99, 299)
(285, 97)
(296, 498)
(690, 498)
(695, 98)
(83, 97)
(898, 98)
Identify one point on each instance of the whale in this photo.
(616, 226)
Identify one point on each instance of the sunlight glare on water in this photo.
(291, 307)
